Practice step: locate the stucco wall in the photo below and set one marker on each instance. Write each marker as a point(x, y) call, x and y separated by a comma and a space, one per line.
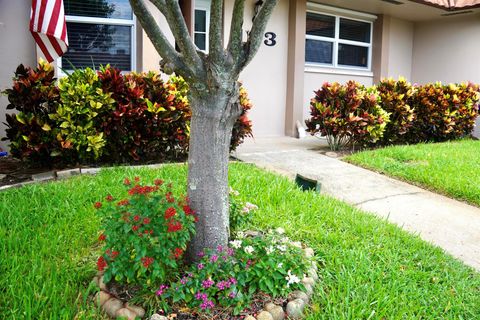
point(315, 79)
point(447, 50)
point(400, 48)
point(16, 46)
point(265, 77)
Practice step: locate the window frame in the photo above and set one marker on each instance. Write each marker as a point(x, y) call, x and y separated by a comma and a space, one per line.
point(202, 6)
point(336, 41)
point(132, 23)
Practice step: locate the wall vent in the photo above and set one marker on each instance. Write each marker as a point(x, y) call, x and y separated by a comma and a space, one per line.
point(393, 2)
point(449, 14)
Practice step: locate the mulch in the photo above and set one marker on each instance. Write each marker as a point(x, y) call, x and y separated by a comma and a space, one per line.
point(16, 171)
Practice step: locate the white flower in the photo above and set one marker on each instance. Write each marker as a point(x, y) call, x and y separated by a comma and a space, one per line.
point(249, 249)
point(240, 235)
point(236, 244)
point(282, 248)
point(280, 265)
point(297, 244)
point(270, 249)
point(285, 240)
point(291, 278)
point(249, 207)
point(280, 230)
point(234, 192)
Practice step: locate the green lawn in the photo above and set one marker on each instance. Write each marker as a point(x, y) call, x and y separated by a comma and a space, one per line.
point(371, 269)
point(451, 168)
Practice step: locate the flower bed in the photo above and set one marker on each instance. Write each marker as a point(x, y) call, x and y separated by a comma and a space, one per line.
point(144, 238)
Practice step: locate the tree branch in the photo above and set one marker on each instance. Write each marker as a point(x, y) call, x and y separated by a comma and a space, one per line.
point(159, 41)
point(236, 31)
point(255, 36)
point(215, 49)
point(173, 14)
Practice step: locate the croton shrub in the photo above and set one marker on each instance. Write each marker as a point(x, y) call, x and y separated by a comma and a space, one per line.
point(444, 112)
point(396, 98)
point(102, 116)
point(403, 113)
point(347, 114)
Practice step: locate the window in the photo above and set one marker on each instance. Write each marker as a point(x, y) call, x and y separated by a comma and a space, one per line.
point(337, 41)
point(100, 32)
point(202, 21)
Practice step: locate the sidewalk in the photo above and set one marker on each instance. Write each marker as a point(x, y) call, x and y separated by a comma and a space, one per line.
point(450, 224)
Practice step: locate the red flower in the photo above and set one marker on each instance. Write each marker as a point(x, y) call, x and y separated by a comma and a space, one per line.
point(178, 253)
point(137, 189)
point(137, 179)
point(169, 197)
point(158, 182)
point(170, 212)
point(101, 263)
point(174, 226)
point(135, 228)
point(136, 218)
point(147, 261)
point(187, 210)
point(123, 202)
point(102, 237)
point(146, 220)
point(126, 182)
point(97, 205)
point(109, 198)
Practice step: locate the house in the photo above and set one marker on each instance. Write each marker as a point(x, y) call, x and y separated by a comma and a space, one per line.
point(306, 43)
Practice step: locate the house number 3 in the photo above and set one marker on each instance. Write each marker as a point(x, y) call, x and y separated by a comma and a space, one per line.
point(270, 39)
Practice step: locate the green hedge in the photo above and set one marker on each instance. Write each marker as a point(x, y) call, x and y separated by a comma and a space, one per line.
point(102, 117)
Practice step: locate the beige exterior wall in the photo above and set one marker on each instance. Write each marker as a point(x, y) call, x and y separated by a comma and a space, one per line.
point(400, 48)
point(448, 50)
point(265, 78)
point(16, 46)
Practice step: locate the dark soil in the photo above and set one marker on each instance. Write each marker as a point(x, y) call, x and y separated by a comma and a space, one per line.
point(15, 171)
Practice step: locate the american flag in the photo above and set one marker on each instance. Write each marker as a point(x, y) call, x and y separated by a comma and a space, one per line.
point(48, 27)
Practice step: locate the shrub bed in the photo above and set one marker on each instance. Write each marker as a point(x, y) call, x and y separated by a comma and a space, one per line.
point(102, 117)
point(346, 114)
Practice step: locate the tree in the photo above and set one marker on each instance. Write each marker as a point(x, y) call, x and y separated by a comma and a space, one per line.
point(214, 99)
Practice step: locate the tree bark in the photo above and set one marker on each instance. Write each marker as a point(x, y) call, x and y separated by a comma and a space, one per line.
point(213, 117)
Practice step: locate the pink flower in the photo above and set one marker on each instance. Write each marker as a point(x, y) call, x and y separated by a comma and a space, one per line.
point(207, 283)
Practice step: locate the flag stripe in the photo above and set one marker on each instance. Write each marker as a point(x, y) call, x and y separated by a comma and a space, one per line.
point(48, 27)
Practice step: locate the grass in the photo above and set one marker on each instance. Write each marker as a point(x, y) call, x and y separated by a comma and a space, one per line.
point(451, 168)
point(371, 269)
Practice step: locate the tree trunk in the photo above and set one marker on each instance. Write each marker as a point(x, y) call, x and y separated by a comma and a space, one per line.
point(213, 116)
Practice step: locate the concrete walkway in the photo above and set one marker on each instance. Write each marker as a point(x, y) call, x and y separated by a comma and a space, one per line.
point(450, 224)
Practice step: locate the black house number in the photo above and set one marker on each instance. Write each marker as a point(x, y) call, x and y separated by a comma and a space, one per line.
point(270, 39)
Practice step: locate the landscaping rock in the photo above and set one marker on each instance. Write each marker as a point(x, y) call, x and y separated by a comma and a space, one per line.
point(44, 176)
point(2, 176)
point(156, 316)
point(298, 295)
point(309, 253)
point(313, 274)
point(308, 280)
point(250, 318)
point(269, 306)
point(68, 173)
point(126, 313)
point(314, 266)
point(89, 170)
point(308, 289)
point(295, 308)
point(277, 313)
point(264, 315)
point(112, 306)
point(138, 310)
point(102, 284)
point(252, 234)
point(95, 280)
point(101, 297)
